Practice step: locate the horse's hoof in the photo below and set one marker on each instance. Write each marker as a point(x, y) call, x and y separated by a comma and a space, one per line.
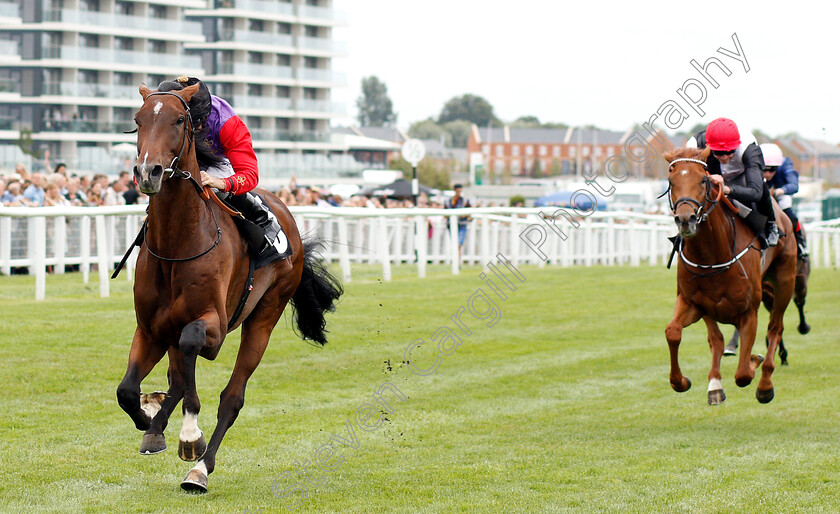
point(716, 397)
point(193, 450)
point(152, 444)
point(687, 386)
point(195, 482)
point(764, 396)
point(804, 328)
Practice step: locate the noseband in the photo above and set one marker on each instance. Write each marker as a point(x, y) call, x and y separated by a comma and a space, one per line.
point(186, 141)
point(701, 210)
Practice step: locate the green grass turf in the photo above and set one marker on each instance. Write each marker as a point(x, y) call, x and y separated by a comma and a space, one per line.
point(562, 405)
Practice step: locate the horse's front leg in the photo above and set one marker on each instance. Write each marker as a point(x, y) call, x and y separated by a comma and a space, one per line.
point(193, 338)
point(154, 440)
point(716, 394)
point(684, 315)
point(747, 362)
point(255, 336)
point(143, 356)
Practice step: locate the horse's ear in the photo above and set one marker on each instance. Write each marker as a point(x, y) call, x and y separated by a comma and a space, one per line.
point(188, 92)
point(704, 155)
point(144, 91)
point(669, 156)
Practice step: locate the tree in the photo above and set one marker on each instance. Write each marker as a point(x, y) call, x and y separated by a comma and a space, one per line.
point(375, 108)
point(526, 122)
point(472, 108)
point(428, 129)
point(459, 131)
point(26, 144)
point(428, 173)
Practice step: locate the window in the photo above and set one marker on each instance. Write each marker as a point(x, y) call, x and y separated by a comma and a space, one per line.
point(89, 5)
point(515, 166)
point(284, 28)
point(284, 92)
point(122, 79)
point(89, 40)
point(157, 11)
point(124, 8)
point(310, 62)
point(256, 26)
point(284, 60)
point(309, 125)
point(556, 151)
point(88, 76)
point(310, 93)
point(281, 124)
point(157, 47)
point(586, 151)
point(500, 151)
point(254, 90)
point(515, 150)
point(498, 166)
point(123, 114)
point(311, 31)
point(543, 150)
point(572, 151)
point(123, 43)
point(529, 150)
point(485, 149)
point(255, 57)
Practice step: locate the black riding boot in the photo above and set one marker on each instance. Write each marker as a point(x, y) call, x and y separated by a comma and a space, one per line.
point(252, 207)
point(801, 243)
point(765, 208)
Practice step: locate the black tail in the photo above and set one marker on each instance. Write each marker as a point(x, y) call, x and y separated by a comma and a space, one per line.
point(316, 294)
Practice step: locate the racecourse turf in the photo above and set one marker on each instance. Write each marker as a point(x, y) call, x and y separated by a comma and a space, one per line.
point(562, 405)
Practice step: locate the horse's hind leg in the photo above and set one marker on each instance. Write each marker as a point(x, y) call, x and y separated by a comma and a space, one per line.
point(154, 440)
point(716, 395)
point(684, 315)
point(143, 356)
point(747, 362)
point(800, 292)
point(764, 392)
point(255, 335)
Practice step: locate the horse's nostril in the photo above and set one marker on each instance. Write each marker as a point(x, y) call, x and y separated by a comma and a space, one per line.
point(157, 170)
point(677, 220)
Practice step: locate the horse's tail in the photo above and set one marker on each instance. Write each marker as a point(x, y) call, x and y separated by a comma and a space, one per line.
point(316, 294)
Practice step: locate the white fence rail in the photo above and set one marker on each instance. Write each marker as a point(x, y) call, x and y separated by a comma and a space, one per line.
point(52, 238)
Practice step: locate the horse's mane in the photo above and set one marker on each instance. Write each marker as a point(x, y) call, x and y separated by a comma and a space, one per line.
point(678, 153)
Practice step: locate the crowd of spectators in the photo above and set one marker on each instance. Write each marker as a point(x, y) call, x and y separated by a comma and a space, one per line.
point(61, 187)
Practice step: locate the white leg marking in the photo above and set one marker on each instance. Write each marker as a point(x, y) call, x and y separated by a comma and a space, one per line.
point(201, 467)
point(715, 385)
point(189, 430)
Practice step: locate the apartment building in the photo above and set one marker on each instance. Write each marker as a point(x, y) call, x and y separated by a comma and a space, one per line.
point(70, 69)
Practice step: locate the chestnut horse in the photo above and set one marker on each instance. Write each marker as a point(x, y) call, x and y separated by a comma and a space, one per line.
point(719, 276)
point(191, 273)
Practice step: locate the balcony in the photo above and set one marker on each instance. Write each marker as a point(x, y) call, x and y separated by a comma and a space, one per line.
point(319, 106)
point(9, 85)
point(266, 6)
point(9, 10)
point(125, 21)
point(243, 69)
point(320, 75)
point(323, 44)
point(88, 126)
point(311, 11)
point(260, 38)
point(100, 55)
point(262, 102)
point(260, 134)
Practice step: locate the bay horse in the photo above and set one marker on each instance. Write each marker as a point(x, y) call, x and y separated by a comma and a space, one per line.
point(720, 273)
point(191, 272)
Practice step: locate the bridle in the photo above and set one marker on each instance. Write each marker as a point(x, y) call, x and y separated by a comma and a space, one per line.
point(175, 171)
point(186, 140)
point(701, 210)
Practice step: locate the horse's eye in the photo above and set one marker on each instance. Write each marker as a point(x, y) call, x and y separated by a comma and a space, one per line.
point(180, 120)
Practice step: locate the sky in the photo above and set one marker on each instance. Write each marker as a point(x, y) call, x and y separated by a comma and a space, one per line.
point(611, 64)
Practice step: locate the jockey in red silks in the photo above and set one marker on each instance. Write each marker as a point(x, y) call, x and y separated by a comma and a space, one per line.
point(226, 158)
point(737, 167)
